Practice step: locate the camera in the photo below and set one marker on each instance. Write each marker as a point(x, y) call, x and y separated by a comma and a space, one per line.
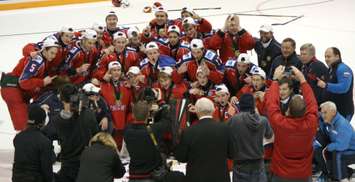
point(288, 71)
point(77, 99)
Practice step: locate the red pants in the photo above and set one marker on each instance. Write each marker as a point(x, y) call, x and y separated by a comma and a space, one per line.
point(17, 106)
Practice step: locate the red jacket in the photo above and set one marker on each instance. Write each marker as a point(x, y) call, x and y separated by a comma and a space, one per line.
point(293, 150)
point(260, 105)
point(31, 72)
point(154, 28)
point(55, 65)
point(76, 58)
point(176, 52)
point(120, 109)
point(204, 26)
point(176, 91)
point(232, 78)
point(221, 113)
point(107, 36)
point(211, 59)
point(228, 44)
point(127, 59)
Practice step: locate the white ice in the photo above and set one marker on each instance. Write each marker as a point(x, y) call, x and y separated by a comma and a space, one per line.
point(325, 23)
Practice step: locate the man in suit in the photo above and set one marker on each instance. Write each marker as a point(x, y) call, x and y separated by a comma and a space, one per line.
point(205, 147)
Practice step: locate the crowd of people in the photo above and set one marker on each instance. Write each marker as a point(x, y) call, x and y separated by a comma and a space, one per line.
point(180, 90)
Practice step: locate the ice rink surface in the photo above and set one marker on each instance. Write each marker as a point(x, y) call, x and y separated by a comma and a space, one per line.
point(324, 23)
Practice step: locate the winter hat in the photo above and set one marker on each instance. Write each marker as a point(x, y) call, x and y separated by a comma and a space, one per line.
point(196, 44)
point(111, 13)
point(36, 115)
point(222, 88)
point(114, 64)
point(91, 88)
point(89, 34)
point(258, 71)
point(167, 70)
point(118, 35)
point(67, 30)
point(151, 46)
point(174, 28)
point(189, 21)
point(266, 28)
point(98, 28)
point(244, 58)
point(247, 103)
point(134, 70)
point(50, 42)
point(132, 32)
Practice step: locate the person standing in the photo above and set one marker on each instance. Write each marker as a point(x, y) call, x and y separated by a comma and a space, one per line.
point(33, 151)
point(249, 130)
point(292, 162)
point(339, 87)
point(100, 161)
point(205, 147)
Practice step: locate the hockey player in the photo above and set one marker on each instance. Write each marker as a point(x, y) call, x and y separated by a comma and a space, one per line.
point(149, 66)
point(207, 59)
point(26, 81)
point(231, 41)
point(118, 97)
point(121, 54)
point(64, 38)
point(82, 57)
point(173, 46)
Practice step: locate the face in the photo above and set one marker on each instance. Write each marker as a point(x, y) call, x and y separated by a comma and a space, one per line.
point(185, 15)
point(190, 30)
point(265, 36)
point(111, 22)
point(330, 58)
point(242, 68)
point(89, 43)
point(132, 79)
point(115, 73)
point(165, 82)
point(287, 49)
point(161, 18)
point(285, 91)
point(305, 56)
point(134, 40)
point(327, 115)
point(197, 53)
point(258, 82)
point(50, 53)
point(67, 38)
point(173, 38)
point(222, 98)
point(232, 27)
point(153, 55)
point(94, 97)
point(202, 79)
point(120, 44)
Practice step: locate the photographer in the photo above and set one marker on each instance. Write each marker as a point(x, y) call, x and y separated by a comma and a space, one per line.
point(138, 137)
point(75, 125)
point(33, 151)
point(292, 161)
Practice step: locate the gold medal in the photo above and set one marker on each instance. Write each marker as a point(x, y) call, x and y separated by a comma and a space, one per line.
point(236, 53)
point(268, 58)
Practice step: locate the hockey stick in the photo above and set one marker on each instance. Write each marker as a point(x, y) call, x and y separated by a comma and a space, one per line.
point(285, 23)
point(198, 9)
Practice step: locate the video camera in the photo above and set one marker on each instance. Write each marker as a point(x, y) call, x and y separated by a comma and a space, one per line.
point(77, 98)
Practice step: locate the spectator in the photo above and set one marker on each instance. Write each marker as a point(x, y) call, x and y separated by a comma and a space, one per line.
point(232, 40)
point(287, 58)
point(340, 152)
point(100, 161)
point(313, 69)
point(205, 147)
point(75, 126)
point(292, 162)
point(34, 155)
point(249, 130)
point(286, 93)
point(339, 87)
point(267, 48)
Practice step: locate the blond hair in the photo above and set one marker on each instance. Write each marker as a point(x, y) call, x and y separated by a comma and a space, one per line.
point(231, 18)
point(105, 139)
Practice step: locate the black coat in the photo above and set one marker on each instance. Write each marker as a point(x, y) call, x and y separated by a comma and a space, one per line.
point(205, 147)
point(268, 54)
point(291, 60)
point(100, 163)
point(33, 158)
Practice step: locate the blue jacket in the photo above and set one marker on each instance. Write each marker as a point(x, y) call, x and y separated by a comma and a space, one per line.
point(344, 76)
point(341, 134)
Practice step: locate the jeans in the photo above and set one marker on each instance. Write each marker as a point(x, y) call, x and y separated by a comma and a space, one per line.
point(245, 173)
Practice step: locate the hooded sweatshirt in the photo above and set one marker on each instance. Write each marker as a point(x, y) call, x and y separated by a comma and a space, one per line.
point(248, 130)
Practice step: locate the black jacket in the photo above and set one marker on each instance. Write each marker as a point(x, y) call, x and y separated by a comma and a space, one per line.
point(100, 163)
point(74, 134)
point(33, 158)
point(291, 60)
point(205, 147)
point(313, 70)
point(268, 54)
point(248, 131)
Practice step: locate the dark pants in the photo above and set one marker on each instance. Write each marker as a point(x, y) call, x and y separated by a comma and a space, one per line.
point(249, 172)
point(26, 177)
point(67, 173)
point(337, 163)
point(280, 179)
